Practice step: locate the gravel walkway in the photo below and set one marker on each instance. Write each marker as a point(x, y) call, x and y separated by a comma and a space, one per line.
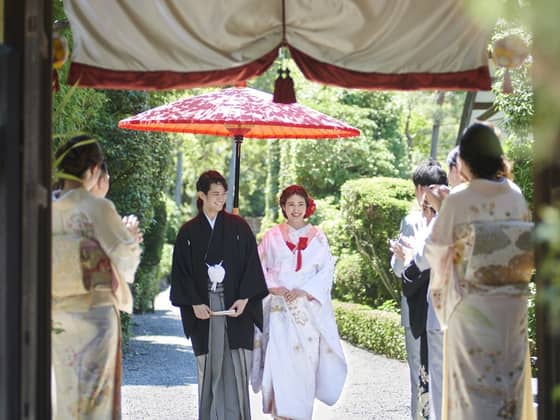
point(159, 377)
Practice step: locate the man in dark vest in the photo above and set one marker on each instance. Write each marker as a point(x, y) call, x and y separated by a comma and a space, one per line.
point(218, 283)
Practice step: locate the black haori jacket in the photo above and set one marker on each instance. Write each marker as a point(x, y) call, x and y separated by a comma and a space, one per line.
point(232, 242)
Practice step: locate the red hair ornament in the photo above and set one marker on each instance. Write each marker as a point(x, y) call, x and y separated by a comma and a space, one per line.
point(310, 207)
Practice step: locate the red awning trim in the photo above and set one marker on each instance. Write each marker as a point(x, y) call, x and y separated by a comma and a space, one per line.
point(317, 71)
point(314, 70)
point(97, 77)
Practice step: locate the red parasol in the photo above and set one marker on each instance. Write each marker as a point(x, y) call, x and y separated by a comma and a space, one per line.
point(239, 112)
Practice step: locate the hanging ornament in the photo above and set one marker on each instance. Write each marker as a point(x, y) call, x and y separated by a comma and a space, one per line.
point(509, 52)
point(59, 50)
point(59, 57)
point(284, 88)
point(284, 85)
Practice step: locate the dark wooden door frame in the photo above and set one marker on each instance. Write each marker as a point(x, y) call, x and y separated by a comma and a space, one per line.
point(547, 192)
point(25, 141)
point(25, 210)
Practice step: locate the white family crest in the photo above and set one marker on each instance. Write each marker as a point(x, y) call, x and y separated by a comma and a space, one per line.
point(216, 274)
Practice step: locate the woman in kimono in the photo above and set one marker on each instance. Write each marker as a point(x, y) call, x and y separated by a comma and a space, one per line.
point(94, 256)
point(299, 355)
point(480, 255)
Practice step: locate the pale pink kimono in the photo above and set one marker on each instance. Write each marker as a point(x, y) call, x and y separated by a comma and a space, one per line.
point(481, 261)
point(298, 357)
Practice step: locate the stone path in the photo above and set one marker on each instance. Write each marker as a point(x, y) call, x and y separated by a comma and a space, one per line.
point(159, 377)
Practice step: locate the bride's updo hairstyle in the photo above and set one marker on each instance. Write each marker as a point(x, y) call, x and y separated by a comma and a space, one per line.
point(297, 190)
point(480, 149)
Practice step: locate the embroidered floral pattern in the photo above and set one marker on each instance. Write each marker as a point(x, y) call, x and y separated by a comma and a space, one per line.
point(299, 316)
point(80, 224)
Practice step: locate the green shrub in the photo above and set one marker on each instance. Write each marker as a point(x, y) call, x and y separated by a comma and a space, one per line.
point(165, 264)
point(327, 216)
point(176, 217)
point(126, 322)
point(354, 282)
point(145, 288)
point(520, 153)
point(370, 213)
point(146, 285)
point(371, 329)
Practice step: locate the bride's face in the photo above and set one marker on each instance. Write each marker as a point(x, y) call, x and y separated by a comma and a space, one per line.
point(295, 208)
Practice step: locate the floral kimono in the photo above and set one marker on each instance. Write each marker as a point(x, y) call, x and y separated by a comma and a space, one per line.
point(94, 256)
point(481, 261)
point(298, 357)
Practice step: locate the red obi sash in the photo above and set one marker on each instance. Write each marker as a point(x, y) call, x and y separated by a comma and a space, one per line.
point(302, 244)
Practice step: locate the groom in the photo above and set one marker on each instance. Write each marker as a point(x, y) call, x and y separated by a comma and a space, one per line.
point(218, 283)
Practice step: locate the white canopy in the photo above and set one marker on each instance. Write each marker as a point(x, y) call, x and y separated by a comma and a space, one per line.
point(371, 44)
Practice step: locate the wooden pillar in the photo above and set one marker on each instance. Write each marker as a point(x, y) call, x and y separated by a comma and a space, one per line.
point(546, 72)
point(547, 193)
point(25, 143)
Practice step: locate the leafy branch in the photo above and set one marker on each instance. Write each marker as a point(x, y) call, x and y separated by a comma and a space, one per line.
point(367, 250)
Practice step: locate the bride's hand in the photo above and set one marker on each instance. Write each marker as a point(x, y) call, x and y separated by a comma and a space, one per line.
point(278, 291)
point(295, 293)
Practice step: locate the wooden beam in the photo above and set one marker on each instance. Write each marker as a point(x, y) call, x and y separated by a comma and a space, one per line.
point(10, 199)
point(467, 112)
point(26, 262)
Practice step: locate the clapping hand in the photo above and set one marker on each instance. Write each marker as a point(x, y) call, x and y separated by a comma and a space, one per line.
point(133, 225)
point(435, 194)
point(401, 247)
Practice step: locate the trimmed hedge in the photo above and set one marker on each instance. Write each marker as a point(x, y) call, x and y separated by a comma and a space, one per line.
point(371, 329)
point(146, 286)
point(371, 210)
point(350, 273)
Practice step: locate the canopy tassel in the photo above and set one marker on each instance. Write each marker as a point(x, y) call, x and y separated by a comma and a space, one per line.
point(284, 88)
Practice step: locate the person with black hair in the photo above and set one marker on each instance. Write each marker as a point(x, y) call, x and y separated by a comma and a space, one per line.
point(412, 231)
point(218, 283)
point(299, 357)
point(94, 257)
point(481, 257)
point(453, 174)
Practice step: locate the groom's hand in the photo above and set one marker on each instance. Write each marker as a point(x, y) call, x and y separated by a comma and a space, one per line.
point(201, 311)
point(238, 306)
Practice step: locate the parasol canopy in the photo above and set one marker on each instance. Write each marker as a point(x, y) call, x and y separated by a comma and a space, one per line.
point(239, 112)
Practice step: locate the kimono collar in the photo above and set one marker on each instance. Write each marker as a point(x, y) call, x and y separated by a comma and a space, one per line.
point(303, 241)
point(212, 237)
point(212, 222)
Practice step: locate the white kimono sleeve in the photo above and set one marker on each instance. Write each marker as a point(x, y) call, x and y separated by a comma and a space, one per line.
point(266, 256)
point(319, 285)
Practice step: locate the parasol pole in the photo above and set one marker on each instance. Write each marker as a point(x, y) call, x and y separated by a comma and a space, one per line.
point(231, 179)
point(238, 139)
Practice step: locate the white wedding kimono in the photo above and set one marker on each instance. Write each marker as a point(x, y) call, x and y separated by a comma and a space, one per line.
point(481, 261)
point(298, 357)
